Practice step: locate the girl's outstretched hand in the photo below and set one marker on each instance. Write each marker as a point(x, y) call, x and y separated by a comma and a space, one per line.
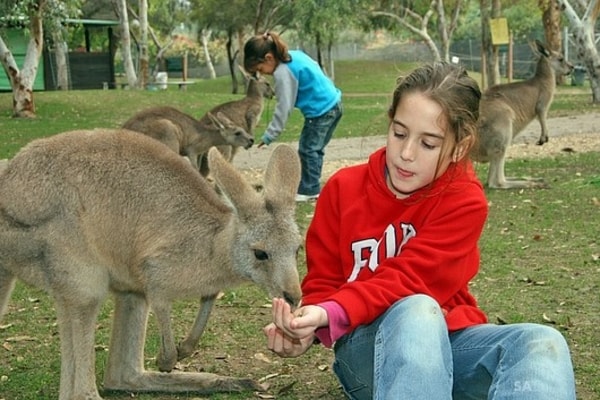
point(291, 334)
point(284, 346)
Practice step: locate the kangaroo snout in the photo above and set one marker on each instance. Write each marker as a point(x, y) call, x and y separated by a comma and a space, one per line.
point(250, 143)
point(292, 300)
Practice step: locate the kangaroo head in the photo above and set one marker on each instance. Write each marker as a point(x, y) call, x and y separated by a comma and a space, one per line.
point(557, 61)
point(266, 238)
point(264, 87)
point(233, 134)
point(256, 84)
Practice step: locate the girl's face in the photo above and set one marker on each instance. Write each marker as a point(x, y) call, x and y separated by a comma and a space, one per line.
point(415, 152)
point(267, 66)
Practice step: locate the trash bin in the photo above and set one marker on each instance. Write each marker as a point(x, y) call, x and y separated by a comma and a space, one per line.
point(578, 75)
point(161, 80)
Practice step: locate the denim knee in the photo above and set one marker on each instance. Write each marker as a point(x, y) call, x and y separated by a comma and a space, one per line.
point(416, 308)
point(412, 328)
point(545, 341)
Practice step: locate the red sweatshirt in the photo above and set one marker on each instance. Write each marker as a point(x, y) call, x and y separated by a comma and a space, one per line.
point(366, 249)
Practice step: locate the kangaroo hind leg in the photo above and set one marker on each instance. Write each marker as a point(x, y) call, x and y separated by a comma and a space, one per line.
point(125, 370)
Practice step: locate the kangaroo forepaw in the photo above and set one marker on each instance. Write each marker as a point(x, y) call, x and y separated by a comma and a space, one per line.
point(185, 349)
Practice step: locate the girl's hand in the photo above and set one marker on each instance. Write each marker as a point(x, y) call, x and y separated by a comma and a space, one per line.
point(301, 323)
point(284, 346)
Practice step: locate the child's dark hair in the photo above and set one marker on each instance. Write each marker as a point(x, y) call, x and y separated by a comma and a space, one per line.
point(453, 89)
point(257, 47)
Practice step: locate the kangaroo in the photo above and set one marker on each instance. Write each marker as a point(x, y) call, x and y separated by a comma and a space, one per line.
point(185, 134)
point(87, 213)
point(506, 109)
point(245, 112)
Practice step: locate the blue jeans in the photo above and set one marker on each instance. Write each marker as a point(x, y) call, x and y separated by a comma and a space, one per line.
point(315, 135)
point(407, 353)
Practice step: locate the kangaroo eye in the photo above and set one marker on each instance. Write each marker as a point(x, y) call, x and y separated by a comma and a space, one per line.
point(261, 255)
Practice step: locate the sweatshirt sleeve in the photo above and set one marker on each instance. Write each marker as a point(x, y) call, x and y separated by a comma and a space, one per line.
point(286, 90)
point(439, 261)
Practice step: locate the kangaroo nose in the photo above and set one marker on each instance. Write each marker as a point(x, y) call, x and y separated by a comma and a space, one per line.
point(290, 299)
point(250, 143)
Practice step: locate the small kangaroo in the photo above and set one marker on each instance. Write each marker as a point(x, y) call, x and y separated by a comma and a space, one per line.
point(185, 134)
point(87, 213)
point(506, 109)
point(245, 112)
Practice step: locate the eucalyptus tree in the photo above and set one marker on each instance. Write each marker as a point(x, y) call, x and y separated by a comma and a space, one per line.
point(419, 17)
point(582, 16)
point(238, 19)
point(32, 16)
point(323, 21)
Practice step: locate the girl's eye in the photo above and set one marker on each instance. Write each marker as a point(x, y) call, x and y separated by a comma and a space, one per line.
point(429, 146)
point(399, 134)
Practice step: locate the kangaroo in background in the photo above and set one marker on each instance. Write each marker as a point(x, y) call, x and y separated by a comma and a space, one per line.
point(87, 213)
point(185, 134)
point(506, 109)
point(245, 112)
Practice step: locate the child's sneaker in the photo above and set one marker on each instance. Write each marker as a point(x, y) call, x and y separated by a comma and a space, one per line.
point(306, 197)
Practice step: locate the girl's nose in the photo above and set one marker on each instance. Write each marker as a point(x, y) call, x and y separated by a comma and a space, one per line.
point(408, 150)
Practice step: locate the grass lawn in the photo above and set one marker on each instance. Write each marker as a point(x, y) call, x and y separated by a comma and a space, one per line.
point(540, 250)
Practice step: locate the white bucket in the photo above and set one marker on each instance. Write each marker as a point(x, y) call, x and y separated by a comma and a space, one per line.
point(161, 80)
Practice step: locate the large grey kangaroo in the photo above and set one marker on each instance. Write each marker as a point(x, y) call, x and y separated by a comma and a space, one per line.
point(506, 109)
point(185, 134)
point(87, 213)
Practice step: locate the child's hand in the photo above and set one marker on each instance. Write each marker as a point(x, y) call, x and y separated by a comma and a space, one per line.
point(291, 334)
point(284, 346)
point(302, 322)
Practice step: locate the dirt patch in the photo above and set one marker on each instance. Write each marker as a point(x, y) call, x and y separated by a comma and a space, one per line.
point(575, 134)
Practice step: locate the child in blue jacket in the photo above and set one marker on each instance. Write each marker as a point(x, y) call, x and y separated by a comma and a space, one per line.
point(301, 83)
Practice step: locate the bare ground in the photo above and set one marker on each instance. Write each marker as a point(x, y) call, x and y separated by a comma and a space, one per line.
point(579, 133)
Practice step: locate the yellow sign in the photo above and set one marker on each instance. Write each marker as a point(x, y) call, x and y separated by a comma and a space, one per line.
point(499, 29)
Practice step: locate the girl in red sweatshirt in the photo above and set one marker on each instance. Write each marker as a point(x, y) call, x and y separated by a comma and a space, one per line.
point(390, 253)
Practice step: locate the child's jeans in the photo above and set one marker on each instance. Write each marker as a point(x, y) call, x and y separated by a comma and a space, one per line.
point(407, 353)
point(315, 135)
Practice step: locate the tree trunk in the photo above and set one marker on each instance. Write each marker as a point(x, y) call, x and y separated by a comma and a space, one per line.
point(61, 55)
point(231, 60)
point(420, 30)
point(144, 57)
point(552, 31)
point(583, 32)
point(126, 43)
point(22, 80)
point(446, 28)
point(486, 42)
point(205, 37)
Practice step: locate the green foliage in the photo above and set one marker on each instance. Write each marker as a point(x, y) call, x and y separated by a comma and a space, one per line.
point(524, 20)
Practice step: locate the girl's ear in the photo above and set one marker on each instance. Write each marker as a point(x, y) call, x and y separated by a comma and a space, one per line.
point(461, 149)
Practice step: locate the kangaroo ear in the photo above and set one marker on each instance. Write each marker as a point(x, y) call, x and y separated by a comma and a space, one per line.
point(215, 121)
point(282, 176)
point(224, 120)
point(239, 192)
point(540, 48)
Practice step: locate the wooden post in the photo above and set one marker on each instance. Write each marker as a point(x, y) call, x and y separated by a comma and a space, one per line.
point(483, 69)
point(185, 66)
point(509, 69)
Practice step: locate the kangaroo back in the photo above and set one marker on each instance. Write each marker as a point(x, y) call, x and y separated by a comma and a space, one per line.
point(187, 136)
